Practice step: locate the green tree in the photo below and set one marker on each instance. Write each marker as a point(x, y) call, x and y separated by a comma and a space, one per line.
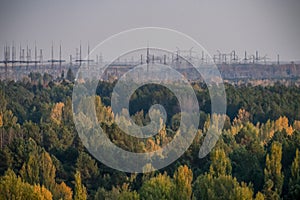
point(47, 78)
point(70, 75)
point(126, 193)
point(39, 169)
point(3, 101)
point(68, 113)
point(117, 193)
point(222, 187)
point(88, 169)
point(159, 187)
point(246, 167)
point(220, 163)
point(35, 77)
point(294, 182)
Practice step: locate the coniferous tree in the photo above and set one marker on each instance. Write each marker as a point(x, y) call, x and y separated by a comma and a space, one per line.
point(70, 75)
point(294, 182)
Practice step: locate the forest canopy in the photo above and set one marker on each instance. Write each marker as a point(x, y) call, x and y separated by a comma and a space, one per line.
point(42, 156)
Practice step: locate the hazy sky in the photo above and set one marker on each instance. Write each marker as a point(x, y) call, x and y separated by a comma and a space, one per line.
point(270, 26)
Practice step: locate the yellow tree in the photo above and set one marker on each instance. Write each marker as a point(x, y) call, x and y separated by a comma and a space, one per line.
point(42, 192)
point(80, 190)
point(242, 191)
point(48, 170)
point(56, 113)
point(273, 175)
point(220, 163)
point(1, 120)
point(239, 121)
point(104, 114)
point(242, 117)
point(13, 187)
point(39, 170)
point(126, 193)
point(282, 123)
point(259, 196)
point(183, 183)
point(62, 191)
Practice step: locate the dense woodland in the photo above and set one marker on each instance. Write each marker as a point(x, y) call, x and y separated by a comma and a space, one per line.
point(42, 157)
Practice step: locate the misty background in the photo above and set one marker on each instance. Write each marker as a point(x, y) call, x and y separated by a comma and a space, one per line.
point(271, 26)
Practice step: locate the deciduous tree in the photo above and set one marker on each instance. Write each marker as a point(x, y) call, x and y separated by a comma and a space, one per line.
point(273, 175)
point(80, 190)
